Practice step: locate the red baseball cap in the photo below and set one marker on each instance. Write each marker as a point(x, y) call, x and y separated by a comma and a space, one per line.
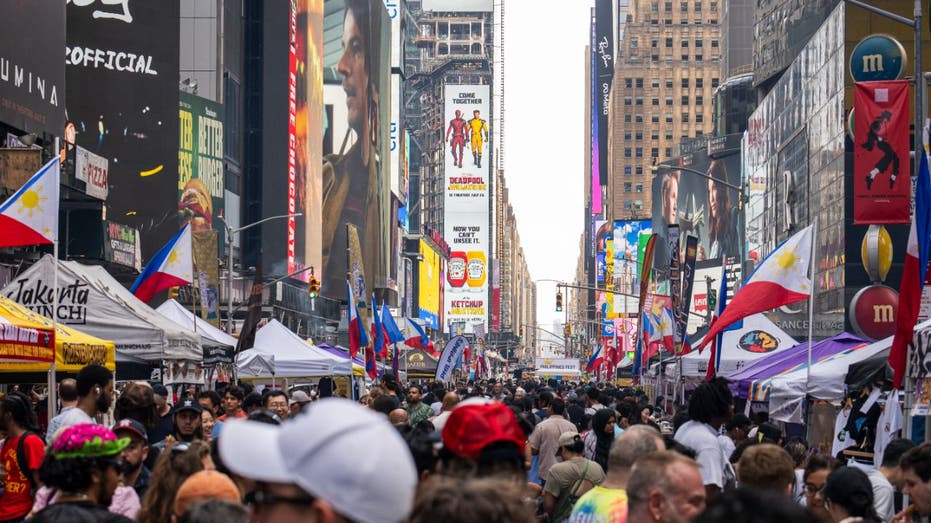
point(473, 425)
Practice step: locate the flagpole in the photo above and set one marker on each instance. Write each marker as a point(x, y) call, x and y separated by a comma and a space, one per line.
point(811, 301)
point(52, 379)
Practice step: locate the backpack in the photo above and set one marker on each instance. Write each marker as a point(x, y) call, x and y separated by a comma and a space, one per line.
point(23, 464)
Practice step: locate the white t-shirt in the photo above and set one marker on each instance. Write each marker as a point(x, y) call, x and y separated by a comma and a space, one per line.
point(68, 417)
point(727, 446)
point(703, 439)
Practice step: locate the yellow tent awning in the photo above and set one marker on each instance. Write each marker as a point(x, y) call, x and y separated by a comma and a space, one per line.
point(74, 349)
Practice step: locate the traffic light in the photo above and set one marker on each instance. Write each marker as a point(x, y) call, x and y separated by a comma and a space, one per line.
point(174, 293)
point(520, 332)
point(567, 329)
point(558, 301)
point(313, 287)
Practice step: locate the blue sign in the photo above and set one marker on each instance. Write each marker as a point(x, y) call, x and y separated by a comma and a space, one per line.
point(877, 57)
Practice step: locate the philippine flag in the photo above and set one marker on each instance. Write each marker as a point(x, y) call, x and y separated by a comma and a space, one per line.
point(172, 265)
point(595, 361)
point(781, 279)
point(419, 339)
point(30, 215)
point(357, 336)
point(378, 333)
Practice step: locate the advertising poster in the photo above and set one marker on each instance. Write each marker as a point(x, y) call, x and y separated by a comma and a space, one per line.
point(309, 134)
point(357, 269)
point(630, 238)
point(114, 49)
point(32, 77)
point(597, 180)
point(94, 171)
point(207, 274)
point(881, 182)
point(200, 163)
point(466, 166)
point(603, 49)
point(356, 173)
point(429, 287)
point(705, 208)
point(688, 280)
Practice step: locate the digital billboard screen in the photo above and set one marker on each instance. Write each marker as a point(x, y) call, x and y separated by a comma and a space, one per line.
point(122, 72)
point(466, 213)
point(429, 286)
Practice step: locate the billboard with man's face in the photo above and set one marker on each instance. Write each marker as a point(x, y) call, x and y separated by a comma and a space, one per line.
point(702, 206)
point(122, 72)
point(356, 169)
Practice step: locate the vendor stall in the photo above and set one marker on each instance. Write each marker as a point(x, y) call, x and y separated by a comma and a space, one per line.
point(217, 347)
point(757, 338)
point(93, 301)
point(293, 357)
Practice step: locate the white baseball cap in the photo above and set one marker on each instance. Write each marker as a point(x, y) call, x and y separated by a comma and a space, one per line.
point(338, 451)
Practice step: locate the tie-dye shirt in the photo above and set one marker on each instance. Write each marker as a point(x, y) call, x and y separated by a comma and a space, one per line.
point(601, 505)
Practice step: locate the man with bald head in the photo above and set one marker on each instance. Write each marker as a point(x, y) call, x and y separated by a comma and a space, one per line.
point(399, 418)
point(450, 400)
point(608, 502)
point(665, 487)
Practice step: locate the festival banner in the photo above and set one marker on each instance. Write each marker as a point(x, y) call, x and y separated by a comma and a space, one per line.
point(451, 358)
point(675, 287)
point(207, 274)
point(688, 279)
point(881, 178)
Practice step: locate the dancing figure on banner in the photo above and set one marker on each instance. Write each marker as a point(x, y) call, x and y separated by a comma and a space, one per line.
point(876, 137)
point(479, 133)
point(457, 128)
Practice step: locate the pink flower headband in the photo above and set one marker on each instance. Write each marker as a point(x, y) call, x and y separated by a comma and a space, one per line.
point(87, 441)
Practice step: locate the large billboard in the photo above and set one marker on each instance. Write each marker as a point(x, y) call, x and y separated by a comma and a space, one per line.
point(32, 77)
point(122, 69)
point(628, 245)
point(603, 49)
point(356, 170)
point(707, 207)
point(428, 298)
point(200, 162)
point(466, 213)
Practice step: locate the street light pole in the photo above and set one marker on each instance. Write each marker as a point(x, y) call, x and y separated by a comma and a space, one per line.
point(229, 259)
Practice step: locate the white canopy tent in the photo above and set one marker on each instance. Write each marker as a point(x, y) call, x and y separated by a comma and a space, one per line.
point(785, 392)
point(218, 345)
point(91, 300)
point(293, 357)
point(757, 339)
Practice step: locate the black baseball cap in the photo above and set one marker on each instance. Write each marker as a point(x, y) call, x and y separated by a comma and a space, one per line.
point(188, 405)
point(131, 425)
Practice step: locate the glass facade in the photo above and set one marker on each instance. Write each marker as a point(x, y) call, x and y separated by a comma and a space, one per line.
point(794, 167)
point(734, 102)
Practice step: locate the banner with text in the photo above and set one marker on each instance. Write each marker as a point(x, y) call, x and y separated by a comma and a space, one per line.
point(466, 166)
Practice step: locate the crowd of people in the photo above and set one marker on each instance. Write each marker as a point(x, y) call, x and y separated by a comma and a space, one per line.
point(487, 451)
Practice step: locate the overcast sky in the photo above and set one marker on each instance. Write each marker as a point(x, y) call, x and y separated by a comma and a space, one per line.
point(544, 135)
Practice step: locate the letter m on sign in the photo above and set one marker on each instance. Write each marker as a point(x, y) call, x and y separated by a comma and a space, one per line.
point(883, 313)
point(872, 63)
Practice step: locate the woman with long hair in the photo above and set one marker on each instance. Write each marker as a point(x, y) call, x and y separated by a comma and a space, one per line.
point(172, 467)
point(848, 493)
point(722, 224)
point(207, 421)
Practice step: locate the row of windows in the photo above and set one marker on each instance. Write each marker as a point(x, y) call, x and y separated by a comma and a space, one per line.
point(685, 83)
point(684, 6)
point(636, 204)
point(637, 152)
point(654, 135)
point(654, 43)
point(628, 187)
point(684, 100)
point(654, 118)
point(684, 21)
point(668, 58)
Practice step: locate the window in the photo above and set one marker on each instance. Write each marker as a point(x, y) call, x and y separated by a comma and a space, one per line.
point(699, 100)
point(627, 100)
point(696, 22)
point(714, 83)
point(668, 7)
point(654, 100)
point(627, 186)
point(668, 135)
point(654, 22)
point(638, 187)
point(654, 118)
point(654, 7)
point(699, 58)
point(699, 118)
point(669, 83)
point(639, 169)
point(639, 135)
point(627, 169)
point(668, 21)
point(668, 57)
point(668, 100)
point(655, 82)
point(668, 152)
point(626, 118)
point(654, 43)
point(639, 100)
point(668, 117)
point(639, 83)
point(713, 21)
point(634, 42)
point(639, 152)
point(627, 135)
point(715, 57)
point(654, 57)
point(638, 118)
point(684, 43)
point(699, 83)
point(685, 57)
point(627, 152)
point(697, 7)
point(628, 83)
point(685, 100)
point(714, 43)
point(699, 43)
point(684, 7)
point(654, 135)
point(698, 133)
point(685, 117)
point(684, 21)
point(654, 152)
point(626, 205)
point(685, 83)
point(713, 6)
point(638, 204)
point(669, 42)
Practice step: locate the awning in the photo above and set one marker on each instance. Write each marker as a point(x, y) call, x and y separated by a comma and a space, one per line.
point(218, 346)
point(293, 357)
